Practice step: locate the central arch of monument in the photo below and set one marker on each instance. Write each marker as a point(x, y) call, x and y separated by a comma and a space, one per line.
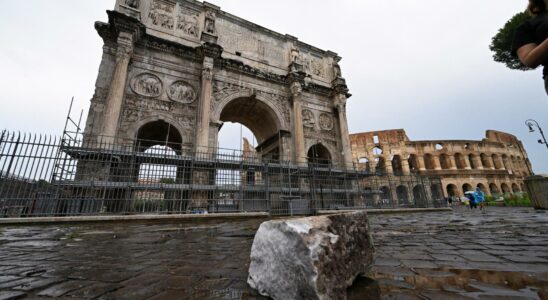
point(193, 66)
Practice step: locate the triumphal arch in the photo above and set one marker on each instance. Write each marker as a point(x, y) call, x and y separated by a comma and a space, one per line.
point(175, 70)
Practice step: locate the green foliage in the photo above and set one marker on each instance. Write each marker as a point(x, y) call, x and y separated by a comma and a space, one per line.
point(517, 199)
point(167, 181)
point(501, 44)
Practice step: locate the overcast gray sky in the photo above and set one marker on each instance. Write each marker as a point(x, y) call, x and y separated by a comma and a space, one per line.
point(421, 65)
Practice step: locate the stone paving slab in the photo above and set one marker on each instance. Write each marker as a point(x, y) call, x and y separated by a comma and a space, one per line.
point(462, 254)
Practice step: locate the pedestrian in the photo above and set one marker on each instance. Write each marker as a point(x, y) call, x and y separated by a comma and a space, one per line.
point(450, 200)
point(480, 198)
point(530, 43)
point(470, 196)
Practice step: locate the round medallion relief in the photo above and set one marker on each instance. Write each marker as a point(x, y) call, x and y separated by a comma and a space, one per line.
point(146, 84)
point(181, 91)
point(326, 122)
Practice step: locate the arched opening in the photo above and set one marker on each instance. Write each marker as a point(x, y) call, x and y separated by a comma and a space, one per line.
point(377, 151)
point(403, 196)
point(261, 123)
point(485, 160)
point(452, 190)
point(159, 133)
point(505, 162)
point(159, 141)
point(505, 188)
point(482, 187)
point(437, 193)
point(364, 165)
point(439, 147)
point(319, 155)
point(429, 162)
point(397, 165)
point(385, 195)
point(381, 165)
point(515, 188)
point(419, 195)
point(460, 161)
point(413, 163)
point(467, 188)
point(445, 161)
point(497, 163)
point(473, 162)
point(494, 189)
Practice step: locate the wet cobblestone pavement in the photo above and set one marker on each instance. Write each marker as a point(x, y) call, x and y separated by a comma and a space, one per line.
point(500, 254)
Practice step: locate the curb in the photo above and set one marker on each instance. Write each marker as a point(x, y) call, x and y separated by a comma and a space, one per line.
point(387, 211)
point(96, 219)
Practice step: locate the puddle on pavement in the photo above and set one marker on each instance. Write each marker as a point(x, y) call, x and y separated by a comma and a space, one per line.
point(446, 283)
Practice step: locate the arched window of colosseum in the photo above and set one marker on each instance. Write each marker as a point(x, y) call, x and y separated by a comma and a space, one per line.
point(467, 188)
point(429, 162)
point(460, 160)
point(452, 190)
point(397, 165)
point(485, 160)
point(419, 196)
point(482, 188)
point(439, 146)
point(413, 163)
point(377, 151)
point(445, 161)
point(473, 162)
point(505, 188)
point(381, 166)
point(515, 188)
point(403, 196)
point(497, 162)
point(494, 189)
point(437, 193)
point(505, 162)
point(364, 165)
point(385, 195)
point(467, 146)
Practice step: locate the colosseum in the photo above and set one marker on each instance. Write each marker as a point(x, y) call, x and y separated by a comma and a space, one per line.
point(497, 164)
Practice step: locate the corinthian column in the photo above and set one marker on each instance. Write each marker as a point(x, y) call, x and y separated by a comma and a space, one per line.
point(298, 132)
point(202, 137)
point(115, 97)
point(340, 104)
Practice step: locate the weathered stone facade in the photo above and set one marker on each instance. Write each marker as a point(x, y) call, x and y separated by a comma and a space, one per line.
point(497, 164)
point(188, 66)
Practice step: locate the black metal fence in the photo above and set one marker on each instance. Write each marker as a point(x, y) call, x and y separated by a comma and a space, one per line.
point(82, 175)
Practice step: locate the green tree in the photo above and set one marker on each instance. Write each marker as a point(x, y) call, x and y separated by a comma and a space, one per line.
point(501, 44)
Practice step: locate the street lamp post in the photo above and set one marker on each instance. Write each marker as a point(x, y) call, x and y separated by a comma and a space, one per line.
point(531, 124)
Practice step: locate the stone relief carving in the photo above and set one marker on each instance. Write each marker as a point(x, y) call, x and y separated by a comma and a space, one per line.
point(222, 90)
point(210, 22)
point(146, 84)
point(181, 91)
point(279, 101)
point(311, 65)
point(133, 3)
point(326, 122)
point(161, 14)
point(188, 24)
point(308, 118)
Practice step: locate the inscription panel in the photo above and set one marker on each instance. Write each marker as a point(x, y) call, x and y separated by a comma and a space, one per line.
point(251, 44)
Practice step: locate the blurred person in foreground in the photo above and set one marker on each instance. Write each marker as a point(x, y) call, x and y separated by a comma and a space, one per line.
point(530, 39)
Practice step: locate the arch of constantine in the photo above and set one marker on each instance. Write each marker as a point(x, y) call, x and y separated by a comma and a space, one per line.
point(497, 164)
point(175, 71)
